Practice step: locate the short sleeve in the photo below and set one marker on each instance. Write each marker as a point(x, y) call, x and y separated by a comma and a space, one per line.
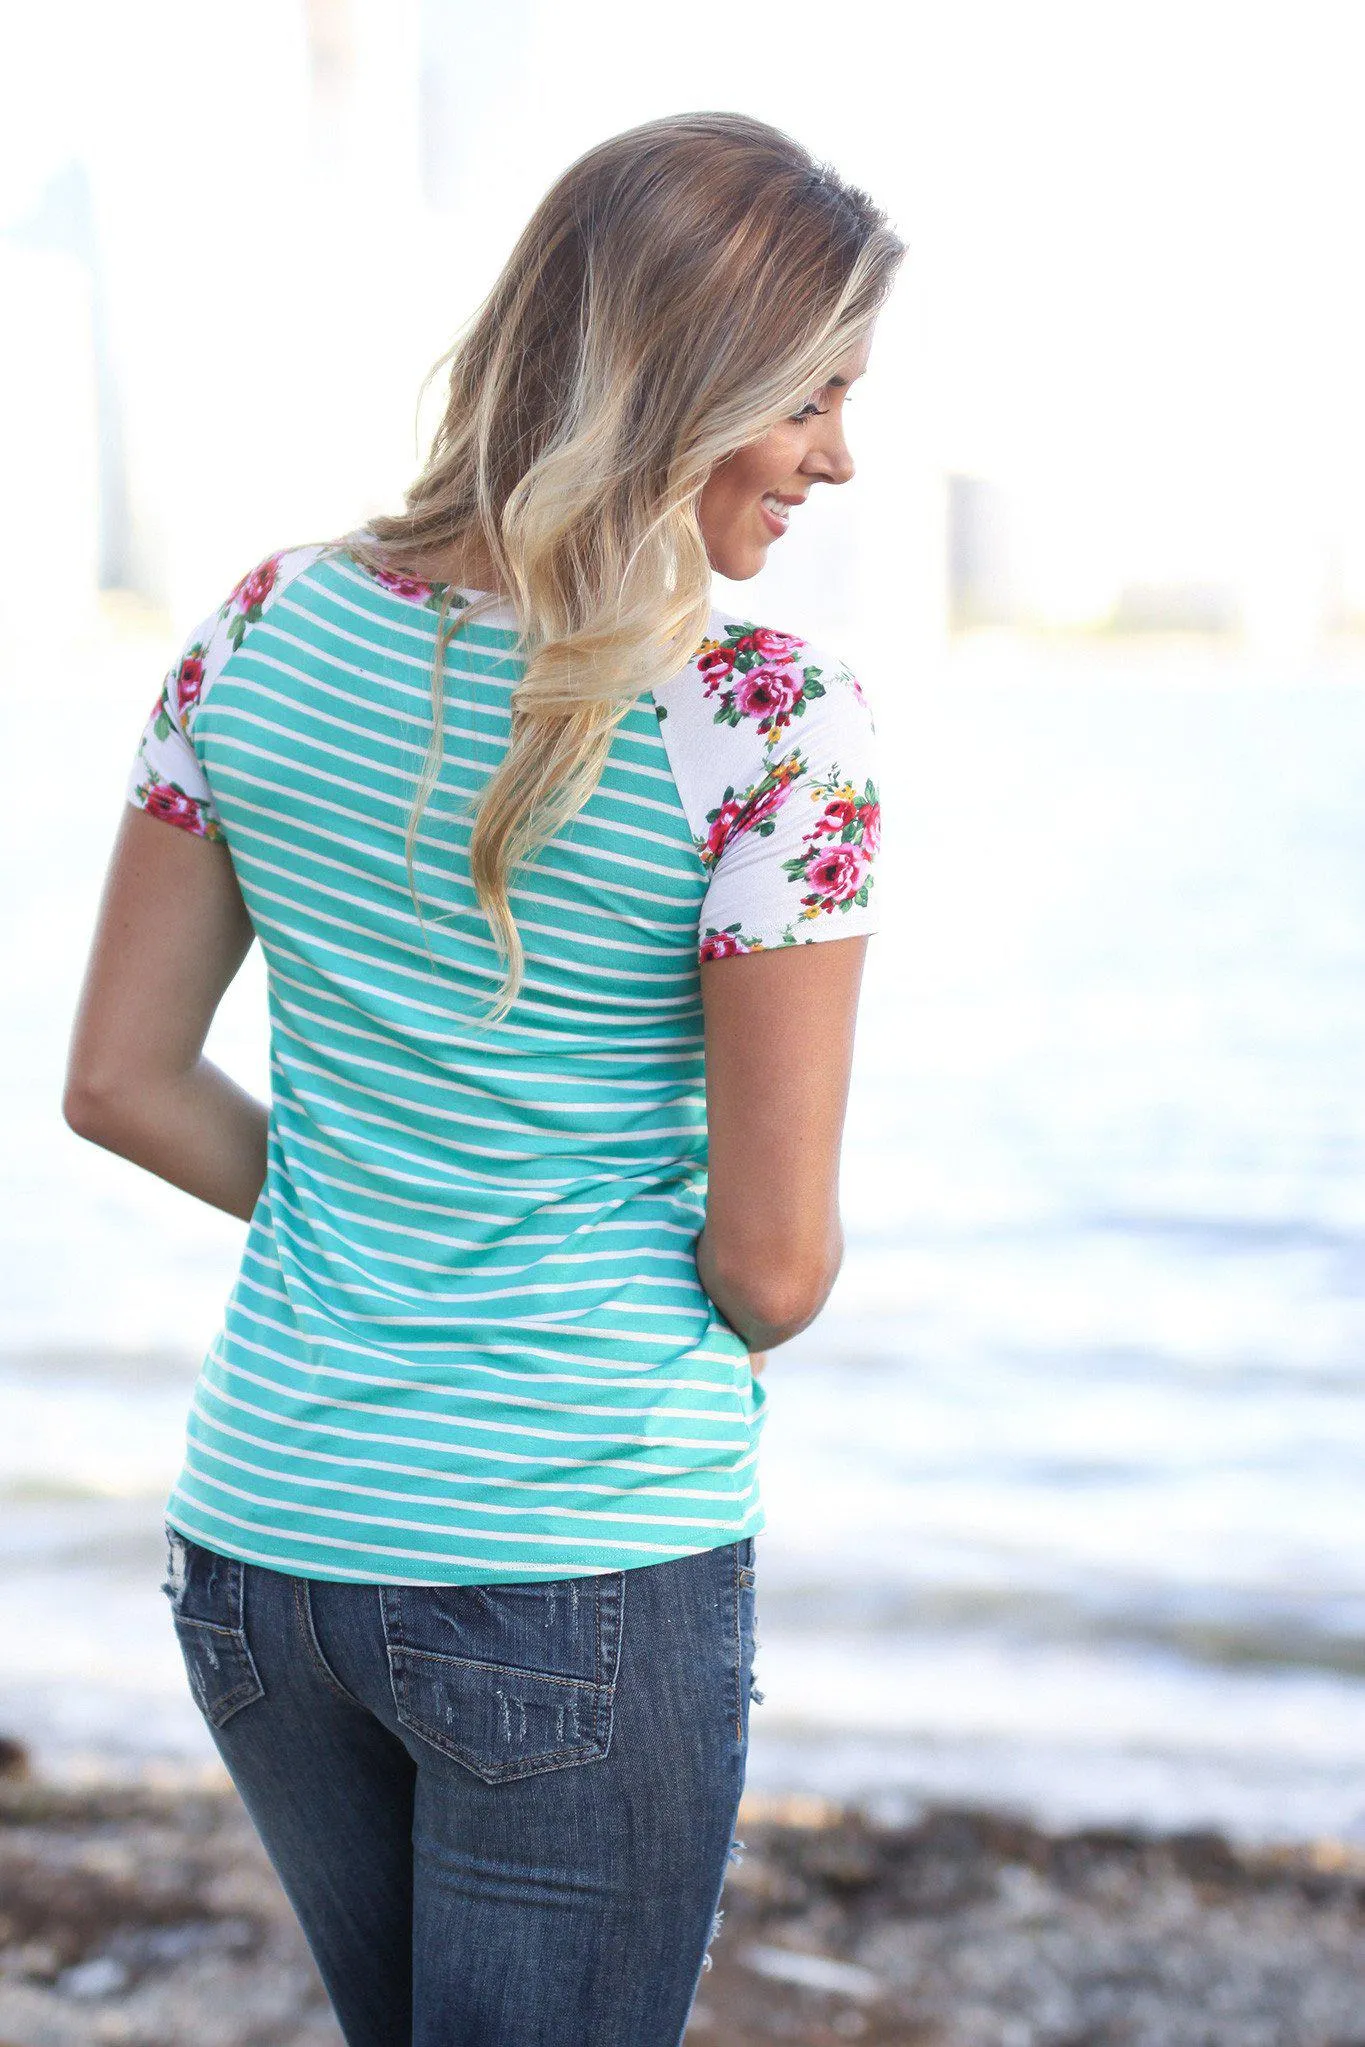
point(794, 849)
point(166, 776)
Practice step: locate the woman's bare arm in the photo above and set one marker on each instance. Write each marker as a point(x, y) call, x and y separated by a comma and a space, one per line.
point(171, 934)
point(779, 1055)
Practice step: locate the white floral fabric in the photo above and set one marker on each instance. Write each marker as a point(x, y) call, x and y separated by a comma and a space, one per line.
point(773, 748)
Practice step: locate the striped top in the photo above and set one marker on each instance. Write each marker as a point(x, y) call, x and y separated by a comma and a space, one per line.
point(467, 1342)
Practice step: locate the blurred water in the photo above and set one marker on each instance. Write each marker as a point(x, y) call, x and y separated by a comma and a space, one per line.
point(1065, 1487)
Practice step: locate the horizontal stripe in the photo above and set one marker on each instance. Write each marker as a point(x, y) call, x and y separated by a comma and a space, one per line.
point(624, 776)
point(393, 1264)
point(448, 1504)
point(486, 1344)
point(346, 985)
point(477, 1078)
point(251, 782)
point(434, 811)
point(479, 1438)
point(378, 1281)
point(302, 1146)
point(562, 934)
point(464, 1398)
point(643, 1383)
point(456, 1411)
point(595, 1536)
point(303, 887)
point(467, 1340)
point(363, 1562)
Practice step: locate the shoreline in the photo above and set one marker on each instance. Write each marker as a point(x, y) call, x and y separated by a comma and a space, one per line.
point(145, 1914)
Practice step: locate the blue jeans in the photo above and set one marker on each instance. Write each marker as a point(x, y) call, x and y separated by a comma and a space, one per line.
point(502, 1813)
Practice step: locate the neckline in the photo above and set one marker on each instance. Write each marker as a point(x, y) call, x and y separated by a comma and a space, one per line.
point(420, 590)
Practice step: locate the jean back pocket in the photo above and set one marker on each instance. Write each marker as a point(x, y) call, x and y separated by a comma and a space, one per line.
point(509, 1680)
point(208, 1594)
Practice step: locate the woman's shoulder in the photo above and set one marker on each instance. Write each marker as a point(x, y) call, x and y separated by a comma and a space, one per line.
point(772, 747)
point(253, 594)
point(211, 644)
point(764, 681)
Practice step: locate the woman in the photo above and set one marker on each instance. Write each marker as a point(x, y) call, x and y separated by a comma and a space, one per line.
point(537, 845)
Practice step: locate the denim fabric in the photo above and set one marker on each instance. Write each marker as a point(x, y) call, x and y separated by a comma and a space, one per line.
point(502, 1813)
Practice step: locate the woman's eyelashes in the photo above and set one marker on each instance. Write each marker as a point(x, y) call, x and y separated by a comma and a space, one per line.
point(810, 410)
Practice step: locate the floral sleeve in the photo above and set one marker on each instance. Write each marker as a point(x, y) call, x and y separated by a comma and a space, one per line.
point(791, 836)
point(166, 776)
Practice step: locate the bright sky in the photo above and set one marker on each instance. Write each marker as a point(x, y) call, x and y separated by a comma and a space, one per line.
point(1133, 289)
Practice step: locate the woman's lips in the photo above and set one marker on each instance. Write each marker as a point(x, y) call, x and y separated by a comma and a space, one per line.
point(775, 525)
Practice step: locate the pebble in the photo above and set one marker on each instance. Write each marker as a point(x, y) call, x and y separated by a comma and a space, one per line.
point(147, 1916)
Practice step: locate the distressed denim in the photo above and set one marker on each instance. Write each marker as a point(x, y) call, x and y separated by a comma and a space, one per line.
point(502, 1813)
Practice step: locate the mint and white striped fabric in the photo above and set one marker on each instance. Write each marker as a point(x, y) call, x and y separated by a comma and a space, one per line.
point(467, 1342)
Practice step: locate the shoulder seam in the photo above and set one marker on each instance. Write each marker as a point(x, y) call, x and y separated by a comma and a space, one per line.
point(253, 597)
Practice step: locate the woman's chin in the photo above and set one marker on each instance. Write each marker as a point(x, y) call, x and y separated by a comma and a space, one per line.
point(737, 565)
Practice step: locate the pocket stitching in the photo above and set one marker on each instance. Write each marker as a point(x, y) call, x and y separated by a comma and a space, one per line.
point(608, 1589)
point(191, 1628)
point(589, 1750)
point(611, 1588)
point(248, 1687)
point(548, 1677)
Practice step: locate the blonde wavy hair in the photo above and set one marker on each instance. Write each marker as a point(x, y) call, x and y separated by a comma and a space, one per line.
point(677, 292)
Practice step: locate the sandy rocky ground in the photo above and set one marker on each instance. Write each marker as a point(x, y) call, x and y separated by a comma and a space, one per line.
point(145, 1916)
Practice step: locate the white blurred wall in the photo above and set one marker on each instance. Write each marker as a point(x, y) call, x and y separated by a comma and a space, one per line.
point(1131, 296)
point(49, 499)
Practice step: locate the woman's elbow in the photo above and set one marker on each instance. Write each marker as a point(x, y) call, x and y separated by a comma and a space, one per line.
point(796, 1304)
point(95, 1104)
point(85, 1109)
point(782, 1301)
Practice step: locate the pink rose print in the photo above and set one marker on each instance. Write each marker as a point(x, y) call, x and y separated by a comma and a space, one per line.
point(837, 853)
point(839, 811)
point(836, 873)
point(764, 805)
point(755, 675)
point(723, 824)
point(245, 604)
point(189, 681)
point(166, 801)
point(403, 586)
point(767, 694)
point(720, 945)
point(753, 811)
point(716, 665)
point(253, 589)
point(774, 646)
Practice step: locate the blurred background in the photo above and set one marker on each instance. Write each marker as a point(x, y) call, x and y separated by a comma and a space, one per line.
point(1065, 1487)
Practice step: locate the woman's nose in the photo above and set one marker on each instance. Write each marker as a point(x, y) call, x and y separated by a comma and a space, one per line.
point(831, 461)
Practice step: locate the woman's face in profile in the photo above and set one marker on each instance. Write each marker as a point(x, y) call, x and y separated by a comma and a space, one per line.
point(749, 497)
